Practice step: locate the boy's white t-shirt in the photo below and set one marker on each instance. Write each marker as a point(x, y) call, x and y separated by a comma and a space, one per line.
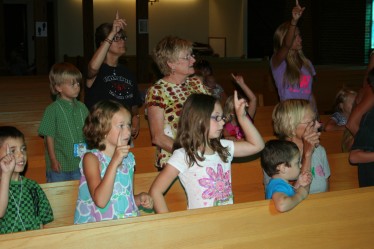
point(209, 184)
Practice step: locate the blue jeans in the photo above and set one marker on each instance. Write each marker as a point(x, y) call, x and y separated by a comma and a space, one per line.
point(53, 176)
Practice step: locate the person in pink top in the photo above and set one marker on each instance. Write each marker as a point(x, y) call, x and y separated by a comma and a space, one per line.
point(293, 73)
point(232, 129)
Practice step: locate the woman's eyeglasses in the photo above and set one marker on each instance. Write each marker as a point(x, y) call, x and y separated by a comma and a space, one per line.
point(187, 57)
point(119, 37)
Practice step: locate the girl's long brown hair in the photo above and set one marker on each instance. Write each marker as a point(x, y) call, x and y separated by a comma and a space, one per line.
point(193, 129)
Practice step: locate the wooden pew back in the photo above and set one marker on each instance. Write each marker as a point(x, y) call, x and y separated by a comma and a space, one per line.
point(247, 184)
point(340, 219)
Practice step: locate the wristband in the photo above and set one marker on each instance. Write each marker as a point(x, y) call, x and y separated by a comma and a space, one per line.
point(108, 41)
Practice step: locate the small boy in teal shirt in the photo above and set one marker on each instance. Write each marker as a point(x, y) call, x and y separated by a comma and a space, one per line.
point(280, 159)
point(62, 124)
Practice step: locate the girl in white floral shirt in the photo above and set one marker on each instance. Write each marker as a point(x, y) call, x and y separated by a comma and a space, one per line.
point(201, 159)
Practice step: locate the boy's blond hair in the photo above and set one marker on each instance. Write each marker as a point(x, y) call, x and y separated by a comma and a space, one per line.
point(60, 72)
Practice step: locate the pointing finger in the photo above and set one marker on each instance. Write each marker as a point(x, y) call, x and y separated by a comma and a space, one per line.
point(7, 149)
point(117, 15)
point(119, 140)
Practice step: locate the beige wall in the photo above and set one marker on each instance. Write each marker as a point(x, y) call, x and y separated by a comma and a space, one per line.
point(226, 20)
point(195, 20)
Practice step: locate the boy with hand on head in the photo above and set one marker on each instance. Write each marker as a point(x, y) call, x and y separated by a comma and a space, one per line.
point(281, 160)
point(23, 204)
point(62, 124)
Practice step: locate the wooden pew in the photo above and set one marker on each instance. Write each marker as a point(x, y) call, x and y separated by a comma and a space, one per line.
point(263, 120)
point(340, 219)
point(36, 168)
point(343, 174)
point(331, 141)
point(63, 196)
point(246, 183)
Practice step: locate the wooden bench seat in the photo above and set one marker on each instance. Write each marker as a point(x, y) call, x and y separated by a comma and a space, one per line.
point(340, 219)
point(247, 185)
point(36, 168)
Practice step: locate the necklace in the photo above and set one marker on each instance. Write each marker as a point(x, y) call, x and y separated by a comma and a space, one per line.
point(17, 206)
point(67, 121)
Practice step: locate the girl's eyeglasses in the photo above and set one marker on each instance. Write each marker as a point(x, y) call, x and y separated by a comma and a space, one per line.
point(314, 122)
point(218, 118)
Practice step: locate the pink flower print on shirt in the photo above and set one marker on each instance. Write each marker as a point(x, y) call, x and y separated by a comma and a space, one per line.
point(318, 170)
point(304, 81)
point(304, 85)
point(218, 185)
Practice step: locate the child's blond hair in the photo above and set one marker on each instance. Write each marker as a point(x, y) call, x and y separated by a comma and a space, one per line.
point(341, 97)
point(60, 72)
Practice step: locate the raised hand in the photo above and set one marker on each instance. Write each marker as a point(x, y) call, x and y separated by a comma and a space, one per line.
point(305, 178)
point(297, 11)
point(240, 106)
point(8, 162)
point(121, 151)
point(310, 138)
point(238, 79)
point(118, 24)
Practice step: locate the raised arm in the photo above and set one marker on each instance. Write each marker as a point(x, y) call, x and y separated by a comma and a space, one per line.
point(310, 140)
point(252, 99)
point(282, 52)
point(100, 54)
point(7, 166)
point(253, 142)
point(101, 189)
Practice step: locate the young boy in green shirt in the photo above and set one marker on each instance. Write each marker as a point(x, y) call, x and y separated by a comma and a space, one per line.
point(23, 204)
point(62, 124)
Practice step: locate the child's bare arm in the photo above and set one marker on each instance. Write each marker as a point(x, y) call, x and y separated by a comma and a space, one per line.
point(304, 180)
point(160, 185)
point(7, 164)
point(101, 189)
point(253, 142)
point(252, 99)
point(310, 142)
point(55, 165)
point(284, 203)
